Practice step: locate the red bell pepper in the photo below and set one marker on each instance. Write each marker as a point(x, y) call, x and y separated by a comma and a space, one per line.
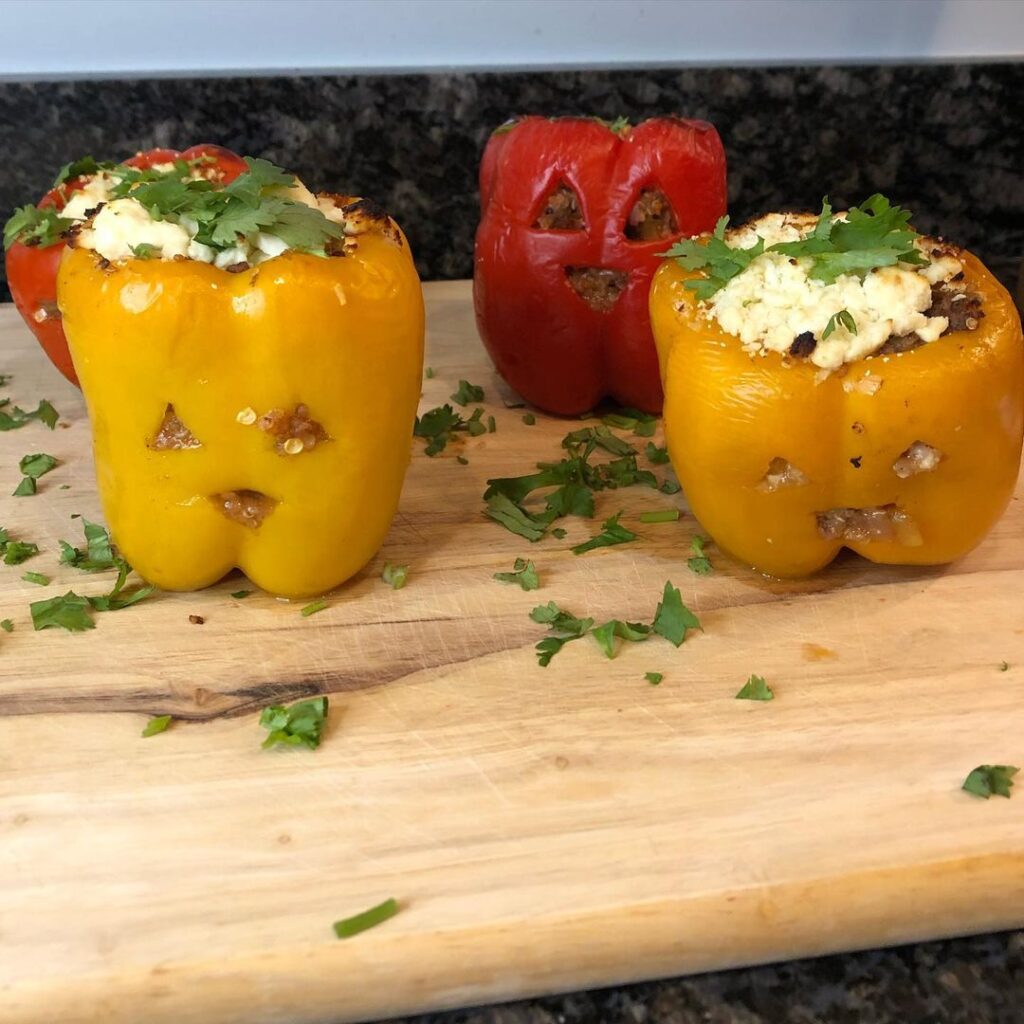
point(32, 268)
point(574, 213)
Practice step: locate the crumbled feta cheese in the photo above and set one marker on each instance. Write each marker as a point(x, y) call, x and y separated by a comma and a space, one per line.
point(95, 191)
point(773, 301)
point(124, 223)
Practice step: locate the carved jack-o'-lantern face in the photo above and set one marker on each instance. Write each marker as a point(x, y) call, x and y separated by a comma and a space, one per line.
point(574, 216)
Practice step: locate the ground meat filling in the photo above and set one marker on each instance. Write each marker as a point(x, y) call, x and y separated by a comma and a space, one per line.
point(293, 432)
point(598, 287)
point(918, 458)
point(562, 211)
point(173, 435)
point(878, 522)
point(651, 218)
point(961, 308)
point(249, 508)
point(781, 473)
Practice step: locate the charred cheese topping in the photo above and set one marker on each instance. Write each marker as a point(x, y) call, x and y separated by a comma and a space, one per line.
point(774, 302)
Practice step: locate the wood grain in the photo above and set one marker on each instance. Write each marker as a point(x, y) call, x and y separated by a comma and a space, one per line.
point(543, 829)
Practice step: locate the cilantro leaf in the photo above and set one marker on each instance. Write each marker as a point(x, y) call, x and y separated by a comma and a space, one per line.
point(524, 573)
point(313, 607)
point(990, 780)
point(145, 251)
point(6, 625)
point(467, 393)
point(350, 926)
point(755, 688)
point(655, 455)
point(653, 677)
point(565, 625)
point(612, 533)
point(70, 612)
point(529, 419)
point(98, 554)
point(118, 598)
point(299, 724)
point(238, 595)
point(642, 424)
point(35, 466)
point(34, 225)
point(843, 318)
point(18, 418)
point(37, 578)
point(156, 725)
point(672, 618)
point(438, 426)
point(515, 518)
point(80, 167)
point(699, 563)
point(24, 489)
point(395, 576)
point(16, 551)
point(606, 634)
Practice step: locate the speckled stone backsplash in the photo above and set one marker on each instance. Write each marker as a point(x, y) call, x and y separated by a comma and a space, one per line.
point(945, 141)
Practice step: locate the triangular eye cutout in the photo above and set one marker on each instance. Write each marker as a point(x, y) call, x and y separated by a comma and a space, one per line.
point(651, 218)
point(173, 434)
point(561, 211)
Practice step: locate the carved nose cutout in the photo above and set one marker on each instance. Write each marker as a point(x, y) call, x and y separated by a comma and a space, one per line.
point(249, 508)
point(599, 287)
point(293, 432)
point(651, 218)
point(173, 434)
point(561, 211)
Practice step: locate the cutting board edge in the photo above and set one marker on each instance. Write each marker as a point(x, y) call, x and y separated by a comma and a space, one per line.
point(500, 963)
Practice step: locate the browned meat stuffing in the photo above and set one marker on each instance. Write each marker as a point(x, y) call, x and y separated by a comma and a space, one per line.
point(294, 432)
point(781, 474)
point(249, 508)
point(962, 309)
point(562, 211)
point(173, 434)
point(918, 458)
point(878, 522)
point(598, 287)
point(651, 218)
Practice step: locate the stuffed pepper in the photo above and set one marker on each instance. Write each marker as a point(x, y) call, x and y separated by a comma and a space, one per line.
point(34, 235)
point(839, 381)
point(250, 356)
point(574, 212)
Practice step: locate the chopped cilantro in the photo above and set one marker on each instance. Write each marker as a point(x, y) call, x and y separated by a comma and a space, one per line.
point(874, 234)
point(70, 612)
point(467, 393)
point(118, 598)
point(755, 688)
point(514, 518)
point(6, 625)
point(642, 424)
point(34, 225)
point(98, 554)
point(18, 418)
point(612, 533)
point(653, 677)
point(844, 318)
point(606, 633)
point(156, 725)
point(80, 167)
point(35, 466)
point(669, 486)
point(492, 424)
point(991, 780)
point(17, 551)
point(24, 489)
point(145, 251)
point(350, 926)
point(429, 372)
point(238, 595)
point(299, 724)
point(699, 563)
point(439, 425)
point(38, 578)
point(655, 455)
point(662, 515)
point(313, 607)
point(529, 419)
point(395, 576)
point(524, 573)
point(672, 618)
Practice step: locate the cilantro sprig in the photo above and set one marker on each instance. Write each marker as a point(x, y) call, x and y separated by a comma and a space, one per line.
point(35, 225)
point(298, 725)
point(874, 234)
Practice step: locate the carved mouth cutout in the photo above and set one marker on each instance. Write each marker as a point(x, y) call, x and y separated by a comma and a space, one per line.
point(248, 508)
point(599, 287)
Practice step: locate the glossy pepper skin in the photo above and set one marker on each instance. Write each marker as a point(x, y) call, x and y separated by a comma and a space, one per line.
point(728, 415)
point(32, 269)
point(554, 348)
point(342, 336)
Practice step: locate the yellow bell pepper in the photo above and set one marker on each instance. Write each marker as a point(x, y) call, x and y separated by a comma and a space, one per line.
point(784, 468)
point(260, 419)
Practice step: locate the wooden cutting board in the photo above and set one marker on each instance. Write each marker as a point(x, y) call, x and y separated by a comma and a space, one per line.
point(543, 829)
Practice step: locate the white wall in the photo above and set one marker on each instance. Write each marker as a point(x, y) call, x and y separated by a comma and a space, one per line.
point(55, 38)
